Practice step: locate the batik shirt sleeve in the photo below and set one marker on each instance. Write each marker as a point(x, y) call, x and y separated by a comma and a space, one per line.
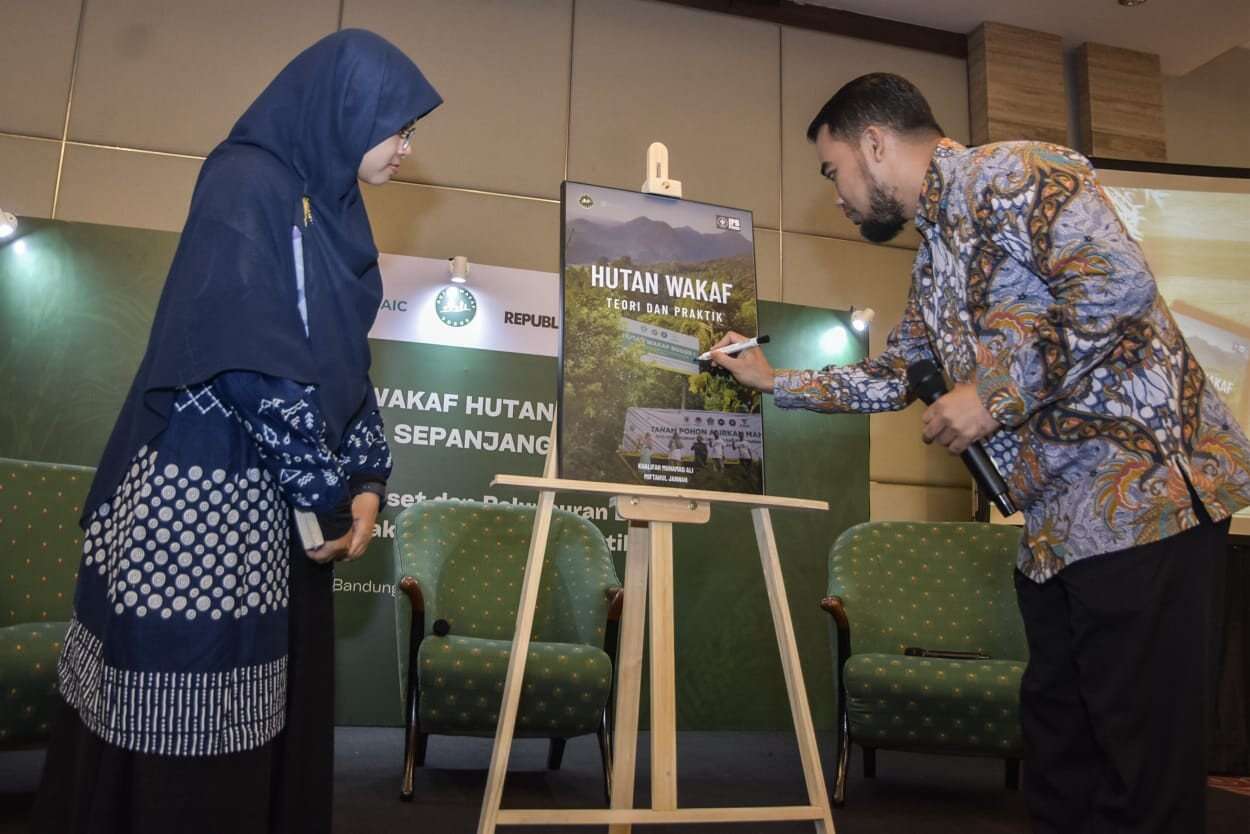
point(876, 384)
point(1042, 205)
point(284, 420)
point(364, 452)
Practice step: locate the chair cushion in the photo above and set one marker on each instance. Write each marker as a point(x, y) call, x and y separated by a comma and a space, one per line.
point(565, 688)
point(919, 703)
point(28, 655)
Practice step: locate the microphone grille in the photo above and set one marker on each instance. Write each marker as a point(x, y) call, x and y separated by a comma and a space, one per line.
point(917, 372)
point(925, 380)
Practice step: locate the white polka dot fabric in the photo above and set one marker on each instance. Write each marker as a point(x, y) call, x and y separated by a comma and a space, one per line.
point(186, 542)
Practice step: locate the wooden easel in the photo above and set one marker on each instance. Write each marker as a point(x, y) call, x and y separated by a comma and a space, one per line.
point(652, 512)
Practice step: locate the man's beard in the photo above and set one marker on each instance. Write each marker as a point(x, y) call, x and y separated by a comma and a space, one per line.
point(885, 213)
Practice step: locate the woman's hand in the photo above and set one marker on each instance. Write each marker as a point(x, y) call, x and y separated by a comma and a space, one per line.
point(332, 551)
point(365, 508)
point(351, 545)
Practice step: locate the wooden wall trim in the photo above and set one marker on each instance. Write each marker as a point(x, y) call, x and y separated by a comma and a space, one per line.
point(839, 22)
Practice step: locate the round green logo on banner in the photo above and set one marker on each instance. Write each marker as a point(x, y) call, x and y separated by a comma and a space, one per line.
point(455, 306)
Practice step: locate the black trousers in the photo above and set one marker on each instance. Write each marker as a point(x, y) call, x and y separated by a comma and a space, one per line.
point(1115, 701)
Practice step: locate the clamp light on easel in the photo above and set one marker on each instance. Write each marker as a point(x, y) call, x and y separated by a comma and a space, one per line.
point(860, 319)
point(459, 268)
point(657, 181)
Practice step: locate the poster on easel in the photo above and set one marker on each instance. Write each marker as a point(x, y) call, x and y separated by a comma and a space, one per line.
point(648, 283)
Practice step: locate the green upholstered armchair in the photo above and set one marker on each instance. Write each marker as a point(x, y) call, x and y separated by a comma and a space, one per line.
point(895, 586)
point(460, 565)
point(39, 508)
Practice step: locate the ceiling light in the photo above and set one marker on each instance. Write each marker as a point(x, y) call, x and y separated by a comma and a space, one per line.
point(1131, 3)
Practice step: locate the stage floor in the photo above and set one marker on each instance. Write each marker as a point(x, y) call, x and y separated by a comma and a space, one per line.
point(946, 795)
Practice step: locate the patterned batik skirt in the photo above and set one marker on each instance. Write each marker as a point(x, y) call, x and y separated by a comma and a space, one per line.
point(285, 785)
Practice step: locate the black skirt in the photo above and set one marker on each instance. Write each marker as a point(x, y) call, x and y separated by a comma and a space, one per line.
point(286, 785)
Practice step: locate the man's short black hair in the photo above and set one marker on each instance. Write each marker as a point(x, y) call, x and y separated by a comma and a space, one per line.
point(879, 98)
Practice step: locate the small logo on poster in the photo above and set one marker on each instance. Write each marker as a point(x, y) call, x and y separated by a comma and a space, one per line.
point(585, 201)
point(455, 306)
point(730, 224)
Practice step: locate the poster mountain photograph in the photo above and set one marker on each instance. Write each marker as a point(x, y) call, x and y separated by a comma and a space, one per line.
point(648, 284)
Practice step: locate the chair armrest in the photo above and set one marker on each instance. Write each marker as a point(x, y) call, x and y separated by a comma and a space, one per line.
point(616, 601)
point(412, 589)
point(612, 633)
point(837, 609)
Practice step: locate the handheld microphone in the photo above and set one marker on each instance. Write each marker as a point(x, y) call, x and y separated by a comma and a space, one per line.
point(926, 380)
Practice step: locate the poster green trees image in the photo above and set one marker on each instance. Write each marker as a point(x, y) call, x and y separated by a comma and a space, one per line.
point(648, 284)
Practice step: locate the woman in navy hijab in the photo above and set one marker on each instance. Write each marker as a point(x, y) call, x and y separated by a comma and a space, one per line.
point(197, 674)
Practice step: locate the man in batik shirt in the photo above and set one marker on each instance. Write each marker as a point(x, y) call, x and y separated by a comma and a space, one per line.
point(1066, 364)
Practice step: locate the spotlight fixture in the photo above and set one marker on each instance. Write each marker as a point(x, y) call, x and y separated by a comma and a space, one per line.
point(860, 319)
point(8, 224)
point(459, 267)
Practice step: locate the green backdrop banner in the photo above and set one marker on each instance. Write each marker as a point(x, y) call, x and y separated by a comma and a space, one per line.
point(75, 308)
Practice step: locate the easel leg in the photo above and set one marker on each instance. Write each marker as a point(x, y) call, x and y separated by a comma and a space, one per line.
point(663, 673)
point(809, 753)
point(629, 672)
point(516, 665)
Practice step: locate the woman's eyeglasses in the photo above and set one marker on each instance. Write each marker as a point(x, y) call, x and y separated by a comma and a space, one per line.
point(405, 135)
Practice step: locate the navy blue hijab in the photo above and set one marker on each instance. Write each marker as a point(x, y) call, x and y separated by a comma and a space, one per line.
point(230, 301)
